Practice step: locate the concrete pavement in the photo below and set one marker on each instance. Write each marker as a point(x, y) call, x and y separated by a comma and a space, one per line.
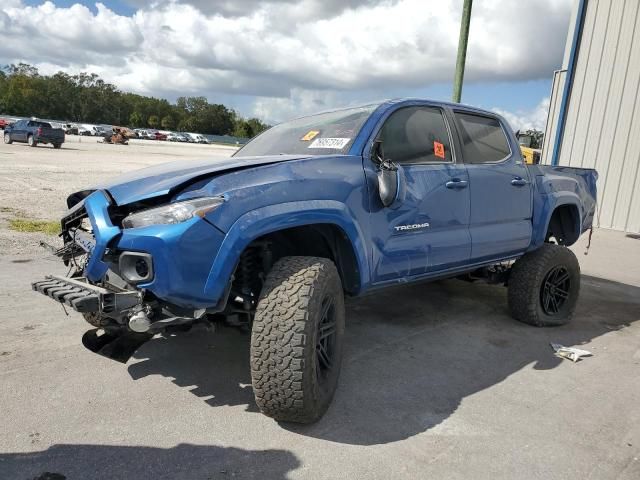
point(438, 382)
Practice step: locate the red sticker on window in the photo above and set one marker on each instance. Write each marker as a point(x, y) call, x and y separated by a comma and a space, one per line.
point(438, 149)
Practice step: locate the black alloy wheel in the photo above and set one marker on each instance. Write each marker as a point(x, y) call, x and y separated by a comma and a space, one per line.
point(326, 340)
point(555, 290)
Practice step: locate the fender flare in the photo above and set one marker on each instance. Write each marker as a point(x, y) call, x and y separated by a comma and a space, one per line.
point(272, 218)
point(551, 203)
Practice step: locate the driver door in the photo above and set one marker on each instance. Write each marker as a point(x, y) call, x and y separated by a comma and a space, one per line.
point(427, 228)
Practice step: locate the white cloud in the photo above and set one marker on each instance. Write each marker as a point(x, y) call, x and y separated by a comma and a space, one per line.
point(527, 119)
point(288, 53)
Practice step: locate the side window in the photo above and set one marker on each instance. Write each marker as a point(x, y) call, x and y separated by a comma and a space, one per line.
point(416, 135)
point(483, 139)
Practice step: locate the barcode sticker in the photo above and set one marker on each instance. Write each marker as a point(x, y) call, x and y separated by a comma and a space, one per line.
point(337, 143)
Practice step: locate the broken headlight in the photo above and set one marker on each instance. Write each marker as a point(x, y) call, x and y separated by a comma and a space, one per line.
point(177, 212)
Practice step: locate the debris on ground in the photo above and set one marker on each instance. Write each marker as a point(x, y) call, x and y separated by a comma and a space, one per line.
point(572, 353)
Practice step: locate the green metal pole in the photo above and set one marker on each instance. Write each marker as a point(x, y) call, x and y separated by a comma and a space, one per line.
point(462, 50)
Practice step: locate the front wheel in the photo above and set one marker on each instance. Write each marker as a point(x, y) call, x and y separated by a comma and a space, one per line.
point(296, 340)
point(544, 286)
point(31, 141)
point(7, 138)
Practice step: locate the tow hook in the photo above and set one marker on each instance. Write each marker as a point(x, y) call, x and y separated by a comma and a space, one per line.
point(140, 322)
point(120, 344)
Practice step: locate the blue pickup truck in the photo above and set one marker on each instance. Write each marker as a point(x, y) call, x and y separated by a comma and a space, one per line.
point(336, 204)
point(34, 132)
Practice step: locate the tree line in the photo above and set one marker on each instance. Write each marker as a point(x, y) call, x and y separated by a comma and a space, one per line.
point(86, 98)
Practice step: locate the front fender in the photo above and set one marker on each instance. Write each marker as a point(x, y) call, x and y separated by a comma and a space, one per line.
point(264, 220)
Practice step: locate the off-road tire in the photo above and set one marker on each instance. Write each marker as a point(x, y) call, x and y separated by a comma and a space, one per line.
point(284, 364)
point(95, 319)
point(7, 138)
point(526, 285)
point(31, 141)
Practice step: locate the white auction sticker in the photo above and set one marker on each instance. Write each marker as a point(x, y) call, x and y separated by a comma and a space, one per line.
point(337, 143)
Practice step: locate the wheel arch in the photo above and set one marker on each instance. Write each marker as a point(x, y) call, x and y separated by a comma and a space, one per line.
point(302, 224)
point(557, 216)
point(564, 224)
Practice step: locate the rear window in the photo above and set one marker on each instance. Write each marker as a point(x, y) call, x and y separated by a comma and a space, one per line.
point(483, 139)
point(33, 123)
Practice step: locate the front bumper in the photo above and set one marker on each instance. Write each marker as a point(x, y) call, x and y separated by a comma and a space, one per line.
point(183, 253)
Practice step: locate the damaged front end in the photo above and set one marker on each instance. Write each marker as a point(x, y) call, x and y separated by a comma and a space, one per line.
point(104, 283)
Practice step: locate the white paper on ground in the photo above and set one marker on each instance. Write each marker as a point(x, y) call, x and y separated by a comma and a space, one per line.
point(572, 353)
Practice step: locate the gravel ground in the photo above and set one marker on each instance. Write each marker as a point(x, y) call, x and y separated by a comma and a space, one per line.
point(35, 182)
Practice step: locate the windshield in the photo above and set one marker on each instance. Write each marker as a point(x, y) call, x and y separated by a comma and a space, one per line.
point(322, 134)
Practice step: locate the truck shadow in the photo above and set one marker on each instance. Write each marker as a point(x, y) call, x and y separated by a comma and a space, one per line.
point(412, 355)
point(96, 462)
point(214, 366)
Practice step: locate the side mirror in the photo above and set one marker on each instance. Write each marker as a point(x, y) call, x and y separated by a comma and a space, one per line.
point(387, 175)
point(388, 185)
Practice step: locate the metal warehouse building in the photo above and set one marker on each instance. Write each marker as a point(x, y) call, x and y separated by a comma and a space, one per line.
point(594, 115)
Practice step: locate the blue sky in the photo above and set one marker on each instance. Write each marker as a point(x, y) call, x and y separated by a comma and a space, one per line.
point(276, 59)
point(118, 6)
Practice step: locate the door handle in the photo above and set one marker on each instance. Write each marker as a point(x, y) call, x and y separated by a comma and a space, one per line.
point(519, 182)
point(456, 183)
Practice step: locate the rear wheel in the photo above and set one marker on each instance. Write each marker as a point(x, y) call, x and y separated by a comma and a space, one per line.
point(544, 286)
point(31, 141)
point(296, 340)
point(7, 138)
point(57, 145)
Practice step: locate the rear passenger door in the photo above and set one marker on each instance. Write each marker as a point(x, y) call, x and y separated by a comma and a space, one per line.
point(499, 187)
point(19, 132)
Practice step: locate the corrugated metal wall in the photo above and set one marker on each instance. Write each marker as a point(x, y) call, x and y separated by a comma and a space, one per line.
point(602, 128)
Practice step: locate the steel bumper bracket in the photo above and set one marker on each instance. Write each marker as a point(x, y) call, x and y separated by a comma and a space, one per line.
point(84, 297)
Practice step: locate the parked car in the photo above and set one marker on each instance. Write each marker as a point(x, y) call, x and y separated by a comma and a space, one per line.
point(34, 132)
point(196, 138)
point(102, 130)
point(84, 130)
point(176, 137)
point(201, 139)
point(70, 129)
point(156, 135)
point(3, 123)
point(337, 204)
point(92, 130)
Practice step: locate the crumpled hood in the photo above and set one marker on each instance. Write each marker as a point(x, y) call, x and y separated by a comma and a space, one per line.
point(163, 179)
